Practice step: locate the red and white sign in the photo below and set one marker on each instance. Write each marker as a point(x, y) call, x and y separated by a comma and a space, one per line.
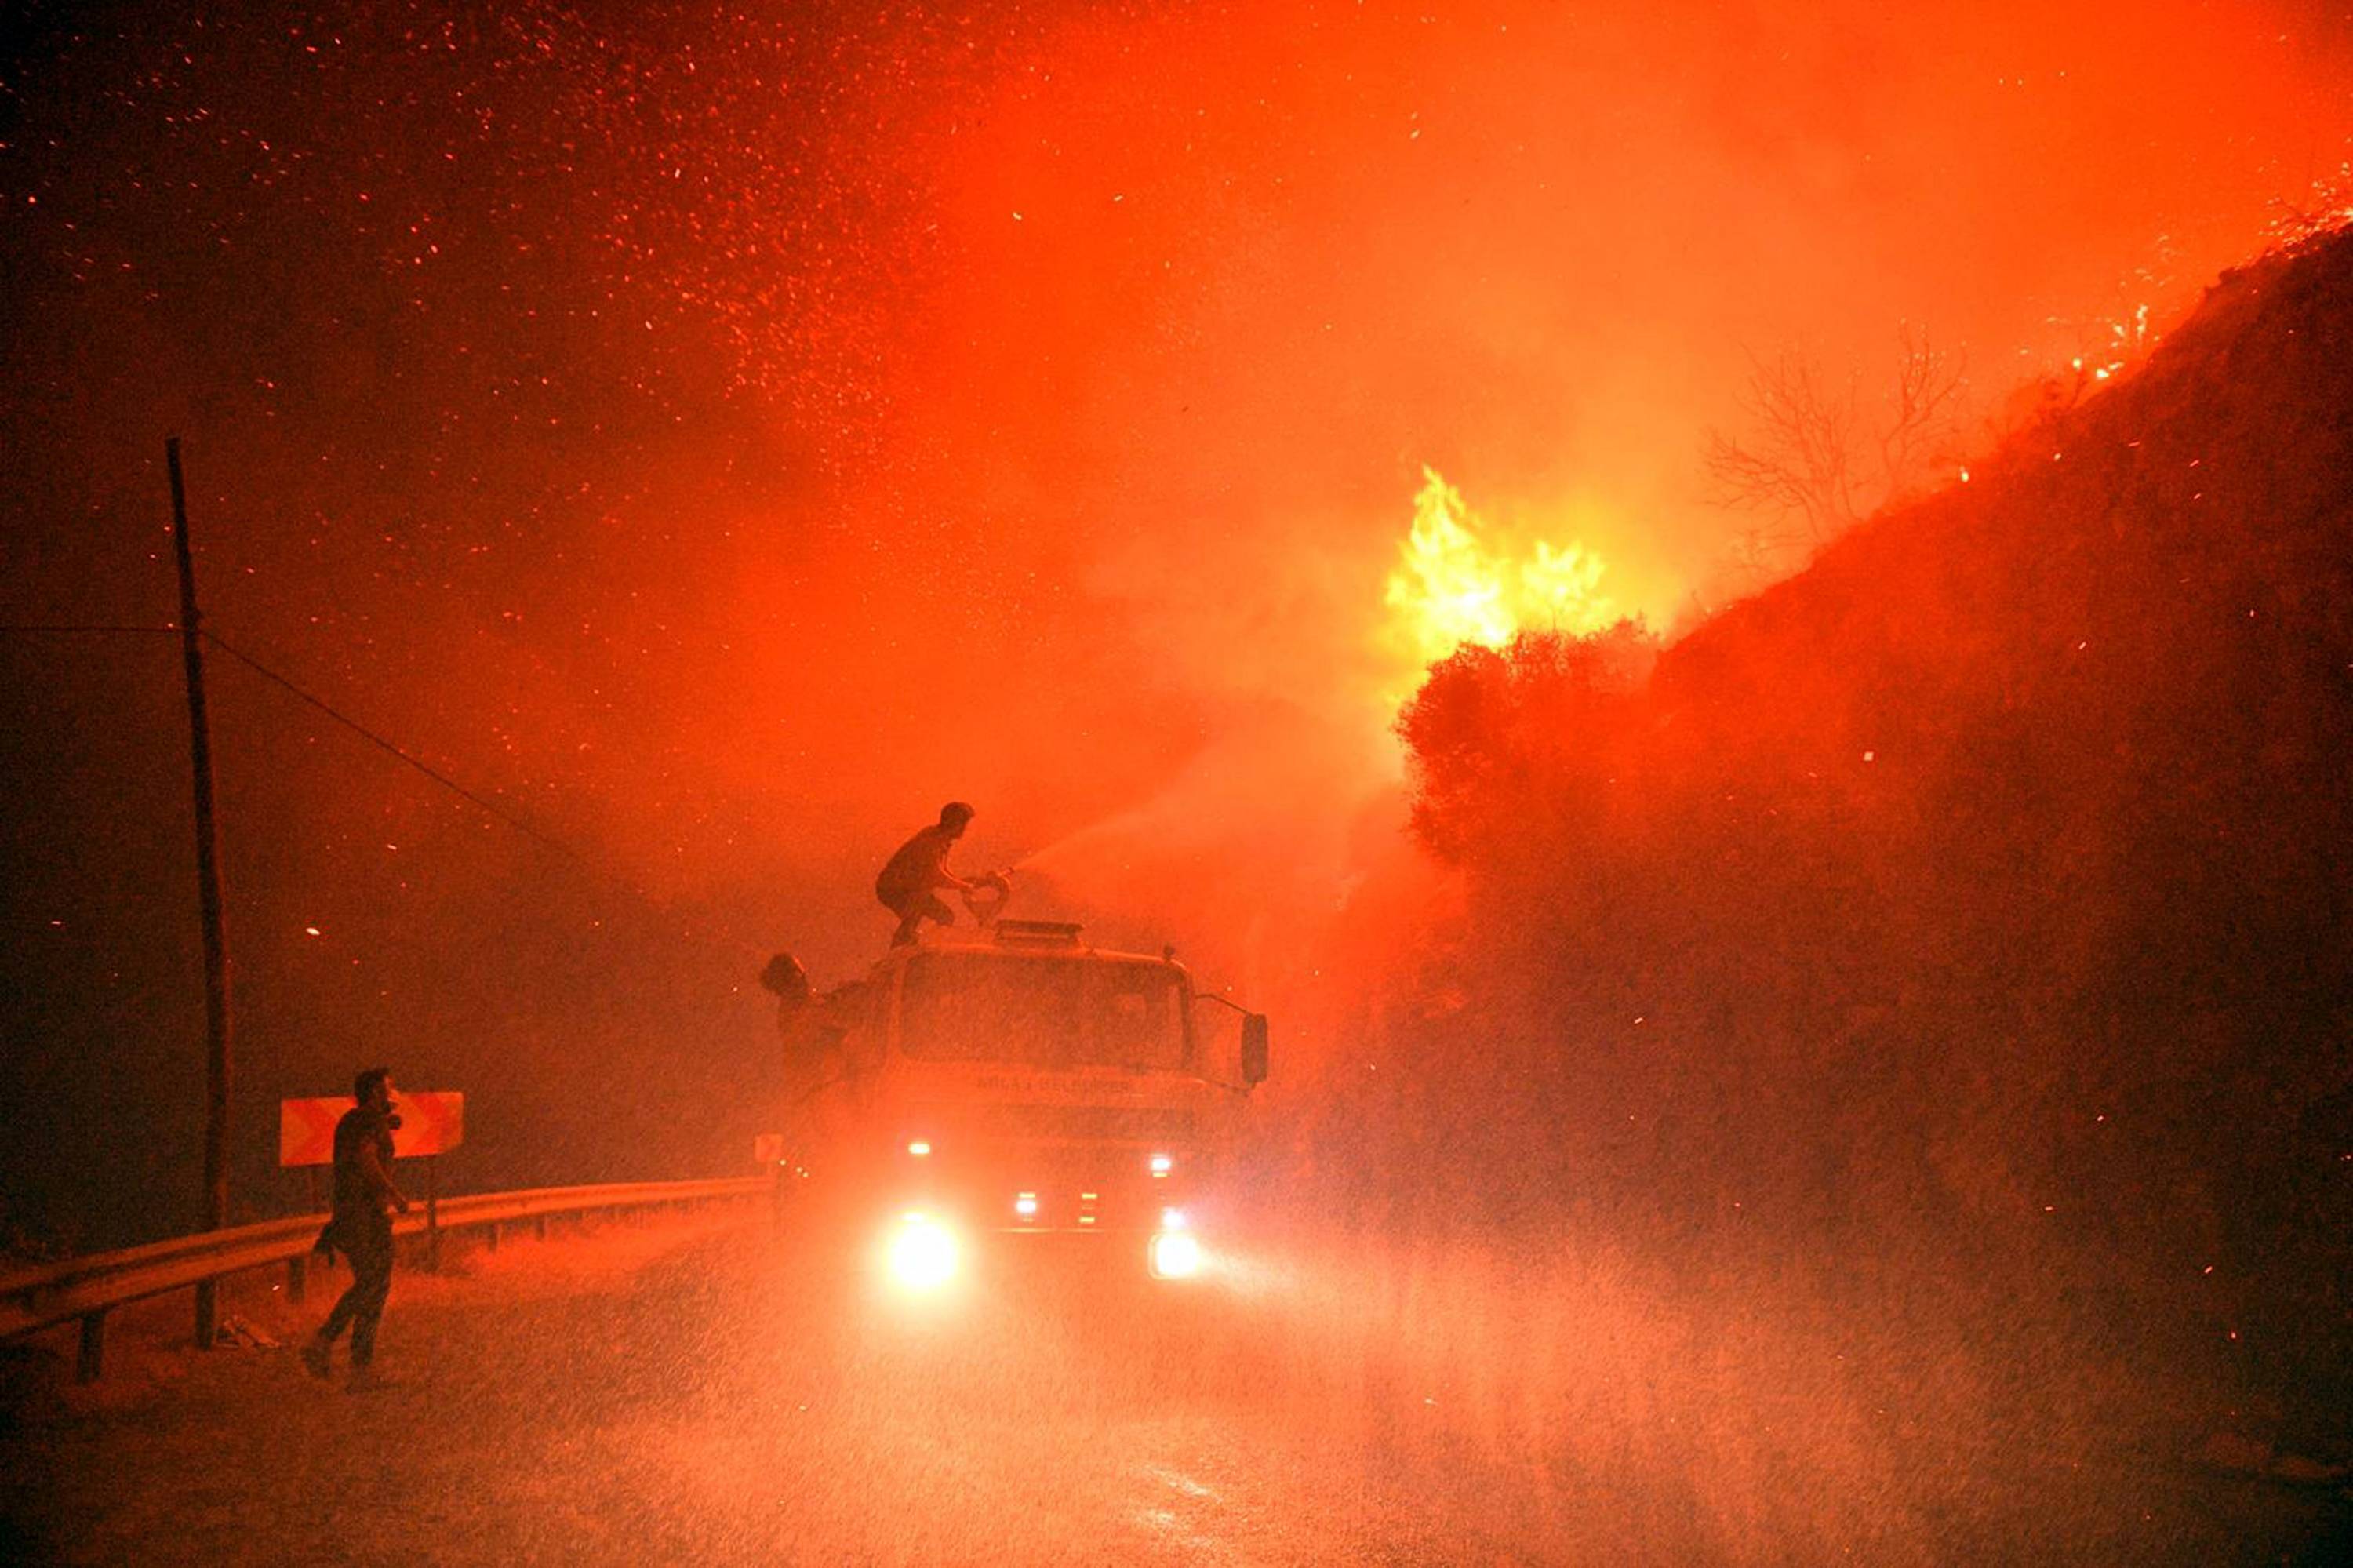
point(431, 1122)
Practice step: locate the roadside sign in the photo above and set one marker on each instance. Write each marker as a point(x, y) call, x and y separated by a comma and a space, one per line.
point(431, 1122)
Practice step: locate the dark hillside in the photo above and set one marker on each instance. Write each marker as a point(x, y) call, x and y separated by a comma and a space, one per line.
point(1972, 907)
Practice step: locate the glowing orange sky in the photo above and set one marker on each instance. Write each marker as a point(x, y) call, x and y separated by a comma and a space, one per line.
point(730, 434)
point(723, 434)
point(1186, 301)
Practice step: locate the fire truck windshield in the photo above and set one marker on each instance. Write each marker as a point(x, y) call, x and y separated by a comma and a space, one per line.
point(1043, 1011)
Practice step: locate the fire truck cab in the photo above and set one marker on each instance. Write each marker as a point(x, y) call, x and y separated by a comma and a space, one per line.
point(983, 1089)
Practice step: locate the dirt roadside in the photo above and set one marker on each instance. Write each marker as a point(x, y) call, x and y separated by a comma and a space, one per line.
point(74, 1487)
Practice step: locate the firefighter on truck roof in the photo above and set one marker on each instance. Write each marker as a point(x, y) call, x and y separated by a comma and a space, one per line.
point(909, 884)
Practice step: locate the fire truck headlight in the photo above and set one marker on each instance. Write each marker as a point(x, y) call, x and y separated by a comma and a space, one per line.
point(922, 1252)
point(1175, 1255)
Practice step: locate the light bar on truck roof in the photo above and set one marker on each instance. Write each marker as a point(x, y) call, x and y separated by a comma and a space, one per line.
point(1036, 934)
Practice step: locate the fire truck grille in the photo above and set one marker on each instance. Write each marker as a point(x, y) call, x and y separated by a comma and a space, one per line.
point(1131, 1124)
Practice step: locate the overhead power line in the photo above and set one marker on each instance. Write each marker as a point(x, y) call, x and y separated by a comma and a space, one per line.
point(492, 808)
point(373, 738)
point(155, 631)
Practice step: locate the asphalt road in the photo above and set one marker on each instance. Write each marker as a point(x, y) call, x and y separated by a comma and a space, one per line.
point(691, 1394)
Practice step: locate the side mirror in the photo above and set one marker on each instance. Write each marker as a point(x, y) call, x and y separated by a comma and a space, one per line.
point(1254, 1048)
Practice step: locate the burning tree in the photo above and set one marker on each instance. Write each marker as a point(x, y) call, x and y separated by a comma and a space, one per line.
point(1458, 583)
point(1493, 728)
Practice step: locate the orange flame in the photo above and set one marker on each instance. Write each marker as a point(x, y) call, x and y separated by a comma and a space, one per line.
point(1454, 585)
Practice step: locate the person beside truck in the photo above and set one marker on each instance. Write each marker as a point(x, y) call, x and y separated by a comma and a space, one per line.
point(361, 1229)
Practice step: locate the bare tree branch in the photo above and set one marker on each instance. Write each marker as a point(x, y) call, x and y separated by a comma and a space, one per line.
point(1808, 454)
point(1922, 413)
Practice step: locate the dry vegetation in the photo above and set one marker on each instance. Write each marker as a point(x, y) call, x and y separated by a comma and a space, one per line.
point(1955, 936)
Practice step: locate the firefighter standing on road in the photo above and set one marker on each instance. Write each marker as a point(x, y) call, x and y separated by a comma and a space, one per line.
point(908, 882)
point(362, 1228)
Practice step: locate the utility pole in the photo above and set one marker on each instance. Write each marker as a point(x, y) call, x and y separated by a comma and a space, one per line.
point(209, 895)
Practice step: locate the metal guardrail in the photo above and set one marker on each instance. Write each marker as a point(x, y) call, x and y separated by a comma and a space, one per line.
point(84, 1289)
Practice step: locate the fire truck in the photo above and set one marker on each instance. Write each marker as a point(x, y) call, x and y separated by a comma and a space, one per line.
point(978, 1093)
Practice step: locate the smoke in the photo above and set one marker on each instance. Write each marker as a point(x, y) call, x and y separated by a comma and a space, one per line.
point(1189, 301)
point(726, 435)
